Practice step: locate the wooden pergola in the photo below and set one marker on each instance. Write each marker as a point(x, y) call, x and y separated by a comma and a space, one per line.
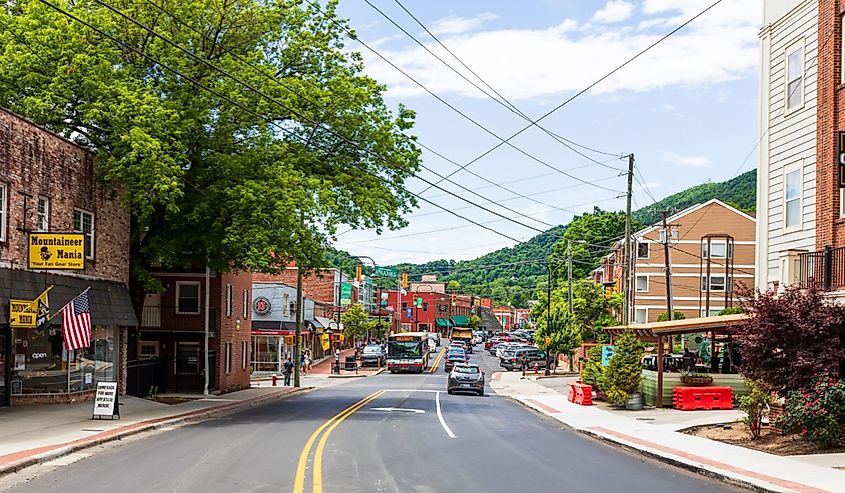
point(657, 331)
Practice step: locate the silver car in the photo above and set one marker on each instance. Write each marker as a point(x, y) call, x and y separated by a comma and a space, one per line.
point(466, 377)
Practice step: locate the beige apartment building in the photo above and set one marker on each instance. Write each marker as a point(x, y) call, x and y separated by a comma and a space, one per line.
point(711, 260)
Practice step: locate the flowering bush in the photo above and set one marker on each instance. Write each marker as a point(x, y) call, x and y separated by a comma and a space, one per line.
point(817, 411)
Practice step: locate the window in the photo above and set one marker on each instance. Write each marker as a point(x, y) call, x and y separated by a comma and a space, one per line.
point(794, 76)
point(188, 298)
point(83, 222)
point(717, 283)
point(228, 357)
point(147, 349)
point(641, 315)
point(244, 354)
point(43, 222)
point(792, 199)
point(4, 210)
point(642, 250)
point(286, 305)
point(228, 300)
point(642, 284)
point(662, 236)
point(720, 249)
point(246, 304)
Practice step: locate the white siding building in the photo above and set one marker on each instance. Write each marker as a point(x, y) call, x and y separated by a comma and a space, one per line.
point(786, 172)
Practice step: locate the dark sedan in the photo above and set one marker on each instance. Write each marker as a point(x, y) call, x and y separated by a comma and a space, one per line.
point(373, 355)
point(453, 358)
point(466, 378)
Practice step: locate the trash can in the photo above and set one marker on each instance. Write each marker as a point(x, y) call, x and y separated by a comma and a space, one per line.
point(350, 364)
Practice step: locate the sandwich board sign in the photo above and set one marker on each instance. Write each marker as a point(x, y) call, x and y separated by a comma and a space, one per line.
point(106, 401)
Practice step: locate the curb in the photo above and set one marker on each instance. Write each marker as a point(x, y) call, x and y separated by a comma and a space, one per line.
point(702, 471)
point(51, 452)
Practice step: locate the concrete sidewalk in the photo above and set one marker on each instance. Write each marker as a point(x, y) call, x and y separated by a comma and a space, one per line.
point(735, 464)
point(32, 434)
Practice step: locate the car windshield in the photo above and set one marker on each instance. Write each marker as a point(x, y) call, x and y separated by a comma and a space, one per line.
point(404, 349)
point(456, 355)
point(473, 370)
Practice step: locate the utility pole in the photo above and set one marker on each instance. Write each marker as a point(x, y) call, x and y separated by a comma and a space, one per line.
point(297, 345)
point(626, 282)
point(206, 333)
point(670, 309)
point(569, 273)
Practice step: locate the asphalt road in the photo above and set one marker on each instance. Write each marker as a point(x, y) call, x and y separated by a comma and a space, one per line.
point(395, 442)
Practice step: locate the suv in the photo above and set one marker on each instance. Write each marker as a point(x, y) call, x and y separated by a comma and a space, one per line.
point(512, 360)
point(373, 355)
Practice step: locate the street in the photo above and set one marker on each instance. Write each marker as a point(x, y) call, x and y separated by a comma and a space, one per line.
point(394, 441)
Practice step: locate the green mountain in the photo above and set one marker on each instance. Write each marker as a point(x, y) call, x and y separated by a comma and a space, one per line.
point(513, 274)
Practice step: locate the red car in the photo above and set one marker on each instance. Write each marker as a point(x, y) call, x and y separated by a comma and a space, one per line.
point(495, 340)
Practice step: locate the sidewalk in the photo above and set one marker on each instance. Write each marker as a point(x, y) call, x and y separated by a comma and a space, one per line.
point(32, 434)
point(728, 462)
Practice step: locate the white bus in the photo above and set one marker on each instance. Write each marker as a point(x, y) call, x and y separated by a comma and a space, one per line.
point(407, 351)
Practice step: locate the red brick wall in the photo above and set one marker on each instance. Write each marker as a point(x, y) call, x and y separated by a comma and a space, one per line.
point(38, 162)
point(830, 230)
point(234, 329)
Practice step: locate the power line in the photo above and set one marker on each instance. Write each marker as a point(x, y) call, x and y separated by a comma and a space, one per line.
point(589, 87)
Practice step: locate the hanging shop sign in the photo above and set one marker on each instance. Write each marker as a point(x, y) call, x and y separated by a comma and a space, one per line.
point(29, 314)
point(61, 251)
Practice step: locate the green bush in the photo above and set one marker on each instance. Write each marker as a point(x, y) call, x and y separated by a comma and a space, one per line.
point(817, 411)
point(594, 371)
point(753, 404)
point(623, 374)
point(664, 317)
point(733, 310)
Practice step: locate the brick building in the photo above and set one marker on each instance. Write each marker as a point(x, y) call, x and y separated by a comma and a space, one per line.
point(48, 184)
point(438, 311)
point(323, 286)
point(172, 332)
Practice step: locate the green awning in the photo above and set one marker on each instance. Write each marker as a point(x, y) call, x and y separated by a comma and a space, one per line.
point(460, 321)
point(442, 322)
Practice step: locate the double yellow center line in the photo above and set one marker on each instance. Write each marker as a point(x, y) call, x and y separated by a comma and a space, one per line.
point(437, 361)
point(327, 427)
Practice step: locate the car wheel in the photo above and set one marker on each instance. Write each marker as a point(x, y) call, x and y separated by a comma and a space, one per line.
point(449, 391)
point(480, 393)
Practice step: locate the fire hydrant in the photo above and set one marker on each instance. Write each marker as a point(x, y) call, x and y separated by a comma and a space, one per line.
point(536, 368)
point(275, 379)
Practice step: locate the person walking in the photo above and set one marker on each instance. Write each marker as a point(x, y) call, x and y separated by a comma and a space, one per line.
point(524, 363)
point(302, 363)
point(308, 359)
point(288, 370)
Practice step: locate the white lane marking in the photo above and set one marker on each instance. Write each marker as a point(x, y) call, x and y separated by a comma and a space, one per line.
point(440, 416)
point(399, 409)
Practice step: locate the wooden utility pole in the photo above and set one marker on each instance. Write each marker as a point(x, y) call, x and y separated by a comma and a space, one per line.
point(626, 282)
point(297, 344)
point(670, 309)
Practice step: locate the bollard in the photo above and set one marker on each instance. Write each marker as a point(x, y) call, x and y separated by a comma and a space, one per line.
point(275, 379)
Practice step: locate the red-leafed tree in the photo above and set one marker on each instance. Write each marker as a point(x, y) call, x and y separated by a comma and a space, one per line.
point(791, 338)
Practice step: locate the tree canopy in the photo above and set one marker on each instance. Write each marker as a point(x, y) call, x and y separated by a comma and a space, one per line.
point(239, 133)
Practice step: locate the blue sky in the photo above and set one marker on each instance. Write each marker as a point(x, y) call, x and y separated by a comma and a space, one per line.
point(686, 109)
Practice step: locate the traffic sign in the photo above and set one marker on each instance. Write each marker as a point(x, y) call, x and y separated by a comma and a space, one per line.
point(548, 341)
point(386, 272)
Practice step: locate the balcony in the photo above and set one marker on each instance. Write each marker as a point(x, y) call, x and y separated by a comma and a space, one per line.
point(823, 270)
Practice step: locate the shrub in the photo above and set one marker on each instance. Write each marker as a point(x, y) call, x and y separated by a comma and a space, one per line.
point(623, 374)
point(817, 411)
point(664, 317)
point(732, 310)
point(594, 371)
point(754, 404)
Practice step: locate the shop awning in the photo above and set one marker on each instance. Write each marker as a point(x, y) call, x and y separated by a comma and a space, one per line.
point(724, 323)
point(266, 325)
point(459, 321)
point(442, 322)
point(326, 323)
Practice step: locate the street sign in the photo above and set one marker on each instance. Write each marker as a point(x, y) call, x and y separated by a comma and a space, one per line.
point(386, 272)
point(345, 294)
point(56, 251)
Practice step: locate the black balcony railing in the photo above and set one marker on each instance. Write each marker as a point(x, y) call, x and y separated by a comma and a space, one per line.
point(823, 270)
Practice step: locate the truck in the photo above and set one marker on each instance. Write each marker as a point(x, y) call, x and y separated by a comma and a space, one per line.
point(463, 334)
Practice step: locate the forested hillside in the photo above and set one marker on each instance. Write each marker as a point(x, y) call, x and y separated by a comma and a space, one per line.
point(511, 275)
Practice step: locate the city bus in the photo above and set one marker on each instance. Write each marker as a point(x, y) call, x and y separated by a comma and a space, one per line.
point(407, 351)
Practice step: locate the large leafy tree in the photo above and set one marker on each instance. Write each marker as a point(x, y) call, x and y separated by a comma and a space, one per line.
point(563, 335)
point(246, 154)
point(791, 338)
point(356, 322)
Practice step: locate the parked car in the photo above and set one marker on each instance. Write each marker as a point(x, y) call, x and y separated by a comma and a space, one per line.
point(510, 345)
point(453, 358)
point(512, 360)
point(466, 378)
point(373, 355)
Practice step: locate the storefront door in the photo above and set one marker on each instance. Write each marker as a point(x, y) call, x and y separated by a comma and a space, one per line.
point(189, 376)
point(5, 371)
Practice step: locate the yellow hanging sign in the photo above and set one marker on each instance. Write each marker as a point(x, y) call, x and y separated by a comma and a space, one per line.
point(326, 342)
point(29, 314)
point(56, 251)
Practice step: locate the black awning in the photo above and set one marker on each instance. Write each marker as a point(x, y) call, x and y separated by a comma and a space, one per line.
point(266, 325)
point(110, 303)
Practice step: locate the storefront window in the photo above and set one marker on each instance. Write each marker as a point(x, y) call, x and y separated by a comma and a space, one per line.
point(40, 364)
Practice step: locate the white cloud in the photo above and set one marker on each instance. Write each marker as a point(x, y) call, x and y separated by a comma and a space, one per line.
point(614, 11)
point(457, 25)
point(546, 64)
point(686, 161)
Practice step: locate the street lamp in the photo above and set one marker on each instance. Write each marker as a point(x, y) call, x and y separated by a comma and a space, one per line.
point(336, 368)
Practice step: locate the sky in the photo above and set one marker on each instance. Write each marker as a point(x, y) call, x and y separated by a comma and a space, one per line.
point(686, 109)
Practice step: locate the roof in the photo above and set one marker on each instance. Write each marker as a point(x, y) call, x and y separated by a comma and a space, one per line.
point(686, 326)
point(692, 209)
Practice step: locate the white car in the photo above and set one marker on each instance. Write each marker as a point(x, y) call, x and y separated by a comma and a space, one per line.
point(510, 345)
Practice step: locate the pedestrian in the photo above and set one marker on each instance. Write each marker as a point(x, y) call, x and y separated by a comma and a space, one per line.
point(288, 371)
point(302, 363)
point(524, 363)
point(308, 359)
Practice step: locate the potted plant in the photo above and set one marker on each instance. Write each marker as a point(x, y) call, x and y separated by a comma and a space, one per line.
point(695, 379)
point(623, 374)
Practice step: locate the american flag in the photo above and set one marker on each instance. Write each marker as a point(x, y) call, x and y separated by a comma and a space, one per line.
point(76, 323)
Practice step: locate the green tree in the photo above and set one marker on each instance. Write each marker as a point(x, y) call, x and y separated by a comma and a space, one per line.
point(623, 373)
point(474, 321)
point(563, 335)
point(594, 309)
point(592, 235)
point(664, 317)
point(356, 322)
point(211, 177)
point(453, 286)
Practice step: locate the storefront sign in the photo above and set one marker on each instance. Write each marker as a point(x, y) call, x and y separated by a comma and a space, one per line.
point(29, 314)
point(261, 305)
point(841, 159)
point(289, 340)
point(56, 251)
point(345, 294)
point(105, 400)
